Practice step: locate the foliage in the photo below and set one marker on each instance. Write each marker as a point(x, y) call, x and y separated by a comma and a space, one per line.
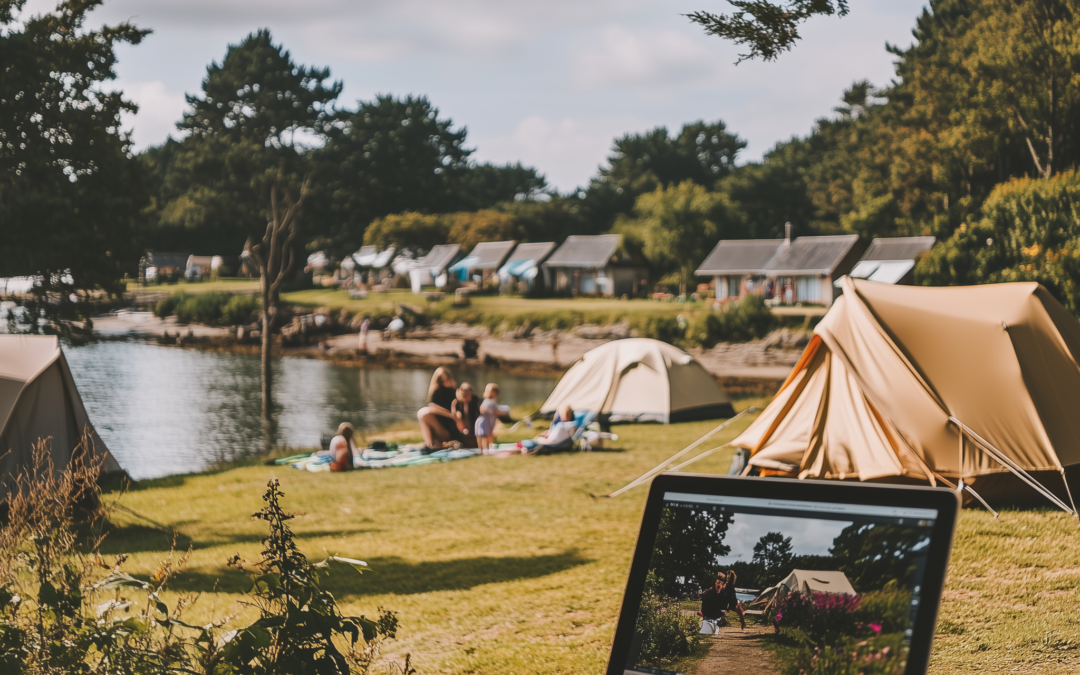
point(482, 186)
point(551, 220)
point(672, 222)
point(640, 163)
point(688, 542)
point(874, 555)
point(258, 93)
point(411, 231)
point(213, 308)
point(1029, 232)
point(68, 610)
point(748, 318)
point(214, 187)
point(471, 228)
point(768, 29)
point(300, 625)
point(663, 632)
point(389, 156)
point(70, 191)
point(823, 618)
point(884, 655)
point(773, 552)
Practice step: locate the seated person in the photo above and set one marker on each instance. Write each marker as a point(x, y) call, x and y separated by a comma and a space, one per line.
point(466, 409)
point(342, 448)
point(438, 425)
point(561, 432)
point(717, 601)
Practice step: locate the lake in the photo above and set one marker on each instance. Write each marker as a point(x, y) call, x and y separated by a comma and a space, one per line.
point(163, 410)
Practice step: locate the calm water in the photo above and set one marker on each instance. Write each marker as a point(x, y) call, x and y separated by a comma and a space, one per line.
point(162, 410)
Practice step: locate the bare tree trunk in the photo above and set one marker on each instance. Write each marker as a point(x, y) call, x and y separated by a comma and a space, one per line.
point(275, 258)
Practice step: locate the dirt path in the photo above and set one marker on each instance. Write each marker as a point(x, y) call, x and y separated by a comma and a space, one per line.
point(738, 652)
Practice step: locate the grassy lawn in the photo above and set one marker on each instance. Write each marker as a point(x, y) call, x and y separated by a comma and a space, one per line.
point(509, 566)
point(196, 288)
point(503, 312)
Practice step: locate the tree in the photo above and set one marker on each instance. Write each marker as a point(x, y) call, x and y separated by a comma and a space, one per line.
point(688, 543)
point(241, 171)
point(70, 190)
point(391, 155)
point(766, 28)
point(259, 93)
point(472, 227)
point(774, 554)
point(550, 220)
point(411, 231)
point(482, 186)
point(275, 257)
point(214, 190)
point(873, 554)
point(1030, 231)
point(674, 224)
point(702, 153)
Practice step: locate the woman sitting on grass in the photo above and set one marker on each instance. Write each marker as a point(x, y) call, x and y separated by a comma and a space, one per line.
point(342, 448)
point(438, 425)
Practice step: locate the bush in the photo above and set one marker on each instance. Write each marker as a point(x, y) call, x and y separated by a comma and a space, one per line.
point(212, 309)
point(68, 610)
point(889, 608)
point(664, 633)
point(885, 655)
point(824, 618)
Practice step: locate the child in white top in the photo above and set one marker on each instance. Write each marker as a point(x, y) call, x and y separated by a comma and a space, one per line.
point(489, 412)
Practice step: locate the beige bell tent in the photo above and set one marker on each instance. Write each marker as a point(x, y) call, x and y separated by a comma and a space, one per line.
point(640, 380)
point(804, 581)
point(963, 386)
point(38, 399)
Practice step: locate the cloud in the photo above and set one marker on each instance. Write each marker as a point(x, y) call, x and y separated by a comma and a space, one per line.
point(620, 56)
point(809, 536)
point(159, 110)
point(557, 147)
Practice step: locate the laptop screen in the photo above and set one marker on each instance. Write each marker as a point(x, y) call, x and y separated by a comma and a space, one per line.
point(820, 587)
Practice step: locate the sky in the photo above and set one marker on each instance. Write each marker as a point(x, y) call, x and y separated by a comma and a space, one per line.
point(809, 536)
point(548, 84)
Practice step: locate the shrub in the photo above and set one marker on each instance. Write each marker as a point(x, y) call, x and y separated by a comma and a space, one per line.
point(68, 610)
point(743, 320)
point(885, 655)
point(889, 608)
point(212, 308)
point(823, 618)
point(239, 310)
point(664, 633)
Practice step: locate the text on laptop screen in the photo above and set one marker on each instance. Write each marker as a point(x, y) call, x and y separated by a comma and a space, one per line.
point(833, 585)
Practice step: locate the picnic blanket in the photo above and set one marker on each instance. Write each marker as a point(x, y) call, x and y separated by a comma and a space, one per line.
point(406, 455)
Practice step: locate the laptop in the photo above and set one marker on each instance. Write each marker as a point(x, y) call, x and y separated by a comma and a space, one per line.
point(827, 576)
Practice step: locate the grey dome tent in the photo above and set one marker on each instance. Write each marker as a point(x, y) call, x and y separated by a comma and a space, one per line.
point(38, 400)
point(640, 380)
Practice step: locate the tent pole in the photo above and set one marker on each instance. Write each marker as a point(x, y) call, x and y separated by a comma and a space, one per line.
point(981, 500)
point(660, 467)
point(1069, 492)
point(1012, 466)
point(701, 456)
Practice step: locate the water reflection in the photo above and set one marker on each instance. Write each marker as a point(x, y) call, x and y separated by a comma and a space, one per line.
point(163, 410)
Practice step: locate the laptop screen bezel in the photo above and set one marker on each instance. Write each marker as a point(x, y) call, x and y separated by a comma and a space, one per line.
point(945, 502)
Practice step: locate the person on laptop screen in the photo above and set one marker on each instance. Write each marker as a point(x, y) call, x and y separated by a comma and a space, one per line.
point(717, 601)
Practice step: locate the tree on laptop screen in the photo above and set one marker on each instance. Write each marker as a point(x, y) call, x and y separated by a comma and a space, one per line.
point(835, 594)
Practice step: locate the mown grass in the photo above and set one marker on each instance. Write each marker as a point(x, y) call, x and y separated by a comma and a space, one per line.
point(223, 285)
point(510, 566)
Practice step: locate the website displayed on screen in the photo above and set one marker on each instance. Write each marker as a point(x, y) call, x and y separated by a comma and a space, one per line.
point(836, 584)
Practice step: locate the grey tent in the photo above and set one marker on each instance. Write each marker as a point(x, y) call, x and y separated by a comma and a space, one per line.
point(38, 399)
point(640, 380)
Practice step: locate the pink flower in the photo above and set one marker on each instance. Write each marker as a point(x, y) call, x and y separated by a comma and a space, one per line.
point(876, 627)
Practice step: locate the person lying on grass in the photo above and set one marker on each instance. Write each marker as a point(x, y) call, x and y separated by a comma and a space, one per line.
point(438, 425)
point(717, 601)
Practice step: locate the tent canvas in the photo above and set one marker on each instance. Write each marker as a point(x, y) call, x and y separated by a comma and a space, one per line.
point(640, 380)
point(936, 385)
point(38, 399)
point(804, 581)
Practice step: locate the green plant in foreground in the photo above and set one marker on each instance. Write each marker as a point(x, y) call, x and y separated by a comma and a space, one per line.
point(300, 628)
point(64, 609)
